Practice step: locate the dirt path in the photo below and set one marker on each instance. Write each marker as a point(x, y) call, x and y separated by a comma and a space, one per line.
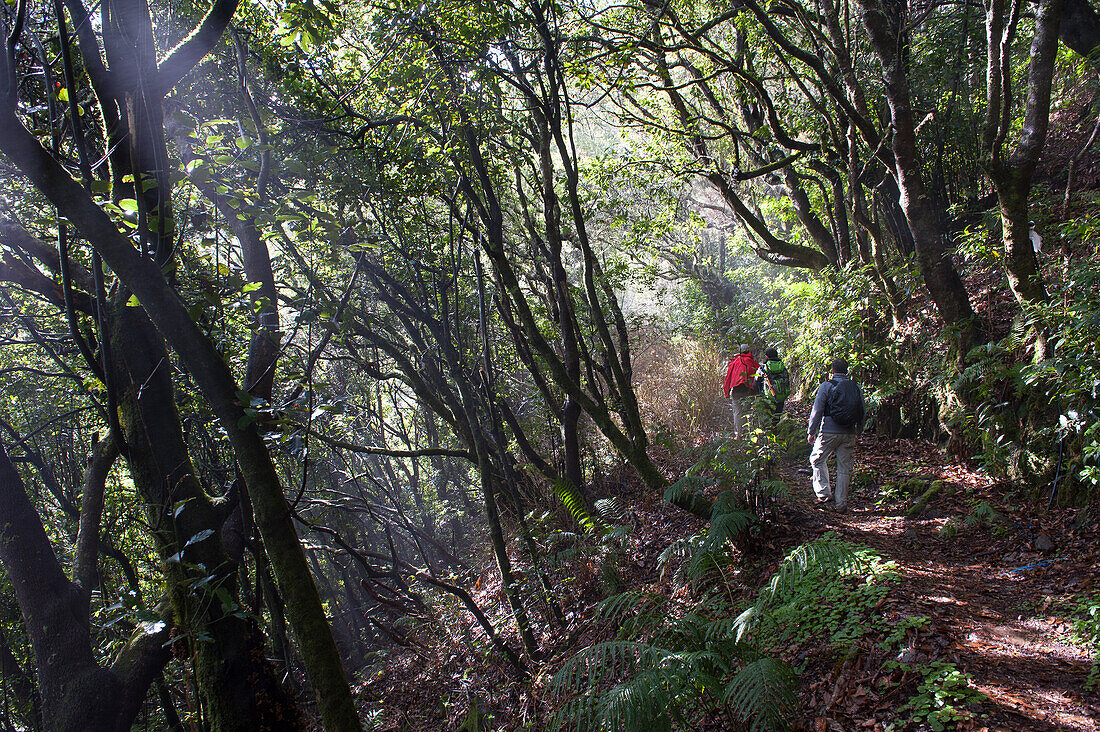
point(998, 604)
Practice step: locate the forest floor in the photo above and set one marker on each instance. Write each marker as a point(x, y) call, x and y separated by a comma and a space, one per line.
point(996, 575)
point(986, 582)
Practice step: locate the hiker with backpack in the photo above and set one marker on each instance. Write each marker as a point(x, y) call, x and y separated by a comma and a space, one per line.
point(835, 421)
point(773, 383)
point(738, 387)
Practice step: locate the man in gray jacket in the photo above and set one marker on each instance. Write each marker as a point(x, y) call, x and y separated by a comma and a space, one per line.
point(835, 422)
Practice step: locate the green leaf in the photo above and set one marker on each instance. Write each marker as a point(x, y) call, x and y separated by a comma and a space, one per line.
point(133, 302)
point(63, 94)
point(251, 286)
point(129, 205)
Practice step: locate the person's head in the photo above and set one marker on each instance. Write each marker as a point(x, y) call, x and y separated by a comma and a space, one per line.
point(772, 354)
point(839, 366)
point(744, 348)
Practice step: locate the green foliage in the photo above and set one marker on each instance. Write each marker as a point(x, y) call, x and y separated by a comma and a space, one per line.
point(600, 544)
point(889, 493)
point(1037, 421)
point(1086, 624)
point(674, 660)
point(984, 514)
point(671, 663)
point(570, 497)
point(896, 636)
point(942, 697)
point(740, 470)
point(827, 590)
point(980, 244)
point(762, 689)
point(1074, 373)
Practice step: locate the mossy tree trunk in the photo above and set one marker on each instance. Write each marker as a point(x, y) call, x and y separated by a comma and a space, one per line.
point(237, 683)
point(887, 29)
point(76, 692)
point(143, 277)
point(1011, 172)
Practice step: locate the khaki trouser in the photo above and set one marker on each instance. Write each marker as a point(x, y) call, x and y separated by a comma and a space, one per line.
point(825, 445)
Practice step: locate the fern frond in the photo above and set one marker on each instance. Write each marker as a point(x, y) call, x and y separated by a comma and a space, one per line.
point(558, 559)
point(611, 510)
point(600, 664)
point(727, 502)
point(678, 551)
point(725, 631)
point(727, 527)
point(702, 565)
point(615, 608)
point(616, 532)
point(762, 694)
point(686, 489)
point(744, 623)
point(827, 554)
point(639, 703)
point(574, 502)
point(687, 631)
point(654, 679)
point(775, 488)
point(576, 715)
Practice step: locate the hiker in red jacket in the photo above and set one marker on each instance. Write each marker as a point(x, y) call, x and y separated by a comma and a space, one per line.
point(738, 386)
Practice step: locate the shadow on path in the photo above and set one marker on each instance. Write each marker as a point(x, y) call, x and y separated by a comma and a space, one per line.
point(992, 602)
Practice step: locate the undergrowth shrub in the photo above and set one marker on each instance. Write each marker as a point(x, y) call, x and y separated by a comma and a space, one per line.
point(739, 466)
point(1086, 625)
point(941, 699)
point(1037, 422)
point(681, 657)
point(839, 586)
point(601, 543)
point(1074, 374)
point(678, 382)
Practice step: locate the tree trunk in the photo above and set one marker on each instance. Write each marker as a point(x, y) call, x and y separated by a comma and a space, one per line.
point(1011, 175)
point(216, 383)
point(1080, 27)
point(889, 39)
point(238, 687)
point(76, 692)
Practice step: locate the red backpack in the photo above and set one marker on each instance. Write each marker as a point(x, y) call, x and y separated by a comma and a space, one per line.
point(741, 371)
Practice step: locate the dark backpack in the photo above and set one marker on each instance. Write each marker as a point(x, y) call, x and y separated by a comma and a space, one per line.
point(843, 402)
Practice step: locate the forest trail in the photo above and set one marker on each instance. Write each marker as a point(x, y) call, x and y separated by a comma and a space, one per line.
point(975, 565)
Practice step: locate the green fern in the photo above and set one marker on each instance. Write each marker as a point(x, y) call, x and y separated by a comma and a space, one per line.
point(762, 693)
point(574, 502)
point(675, 661)
point(687, 489)
point(611, 510)
point(826, 555)
point(727, 527)
point(671, 663)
